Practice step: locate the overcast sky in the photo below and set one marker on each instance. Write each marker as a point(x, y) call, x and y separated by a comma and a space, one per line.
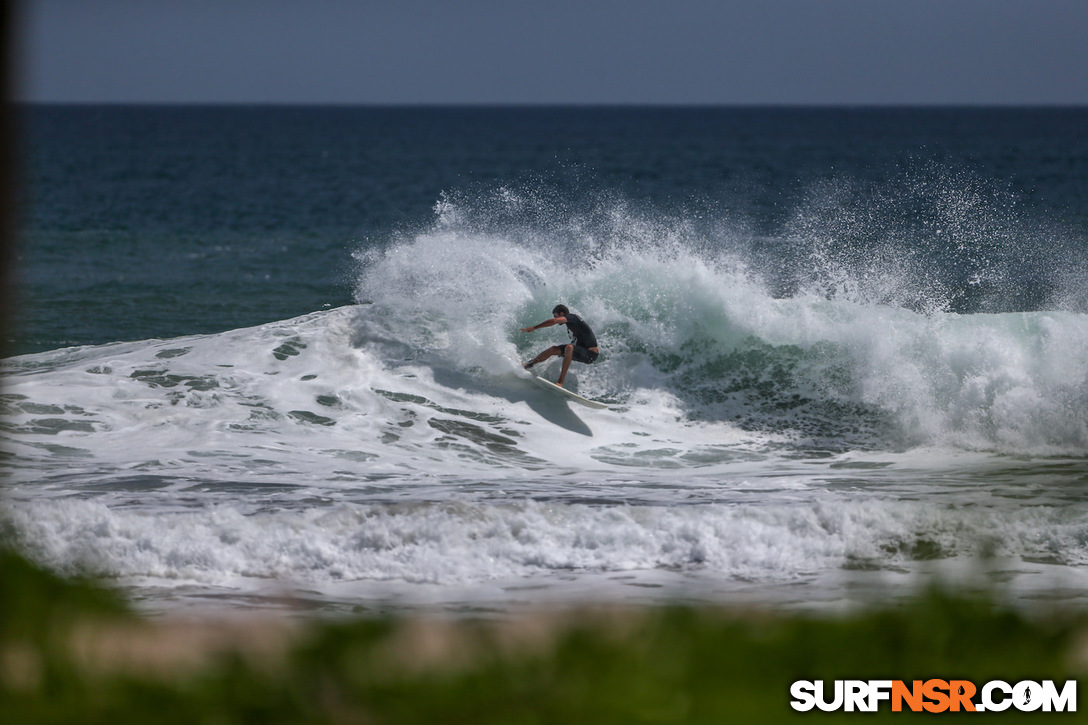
point(555, 51)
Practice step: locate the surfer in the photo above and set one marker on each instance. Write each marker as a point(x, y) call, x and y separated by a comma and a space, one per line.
point(582, 348)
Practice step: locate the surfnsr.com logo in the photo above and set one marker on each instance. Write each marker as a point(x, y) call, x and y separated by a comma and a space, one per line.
point(934, 696)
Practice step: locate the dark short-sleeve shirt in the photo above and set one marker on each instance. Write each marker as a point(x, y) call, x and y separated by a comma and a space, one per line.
point(579, 331)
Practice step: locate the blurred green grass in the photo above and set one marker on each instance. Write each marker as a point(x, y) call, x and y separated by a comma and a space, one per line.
point(72, 651)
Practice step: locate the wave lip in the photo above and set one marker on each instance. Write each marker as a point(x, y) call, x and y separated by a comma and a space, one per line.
point(700, 320)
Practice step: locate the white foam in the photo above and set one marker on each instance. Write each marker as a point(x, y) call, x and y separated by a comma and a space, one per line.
point(462, 542)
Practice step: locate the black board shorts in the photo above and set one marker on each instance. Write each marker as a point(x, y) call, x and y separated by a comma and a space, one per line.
point(582, 354)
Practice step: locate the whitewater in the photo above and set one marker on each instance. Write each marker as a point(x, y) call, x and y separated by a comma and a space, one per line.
point(819, 446)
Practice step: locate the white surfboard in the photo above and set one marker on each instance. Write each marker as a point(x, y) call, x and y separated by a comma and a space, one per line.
point(573, 396)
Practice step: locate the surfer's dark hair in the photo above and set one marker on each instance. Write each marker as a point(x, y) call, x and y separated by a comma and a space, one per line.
point(560, 310)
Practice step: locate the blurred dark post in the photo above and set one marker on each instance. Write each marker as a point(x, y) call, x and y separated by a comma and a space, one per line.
point(8, 192)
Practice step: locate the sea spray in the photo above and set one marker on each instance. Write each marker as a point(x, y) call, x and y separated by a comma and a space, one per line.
point(852, 365)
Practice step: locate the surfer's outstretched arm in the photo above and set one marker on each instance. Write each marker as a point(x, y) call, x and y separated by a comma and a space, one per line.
point(546, 323)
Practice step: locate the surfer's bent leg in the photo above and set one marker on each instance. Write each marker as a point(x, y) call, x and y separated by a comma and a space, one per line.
point(550, 352)
point(568, 355)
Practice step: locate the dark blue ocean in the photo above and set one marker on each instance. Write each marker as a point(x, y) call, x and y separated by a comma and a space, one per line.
point(275, 349)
